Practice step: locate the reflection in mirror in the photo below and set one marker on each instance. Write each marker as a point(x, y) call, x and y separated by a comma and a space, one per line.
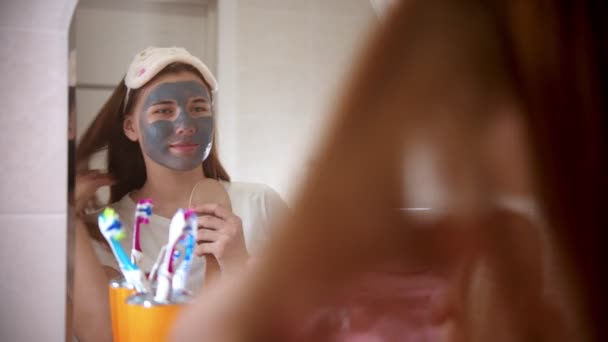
point(219, 117)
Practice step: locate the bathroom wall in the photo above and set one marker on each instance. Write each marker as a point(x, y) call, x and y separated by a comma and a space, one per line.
point(33, 141)
point(280, 63)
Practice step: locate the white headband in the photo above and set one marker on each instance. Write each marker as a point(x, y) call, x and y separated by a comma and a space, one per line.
point(149, 62)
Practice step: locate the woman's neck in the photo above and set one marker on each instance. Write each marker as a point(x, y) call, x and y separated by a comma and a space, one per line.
point(168, 189)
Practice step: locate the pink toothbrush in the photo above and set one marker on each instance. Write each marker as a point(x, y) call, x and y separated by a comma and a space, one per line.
point(143, 212)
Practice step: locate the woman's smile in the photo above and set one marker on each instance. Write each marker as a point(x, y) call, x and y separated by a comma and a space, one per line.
point(183, 147)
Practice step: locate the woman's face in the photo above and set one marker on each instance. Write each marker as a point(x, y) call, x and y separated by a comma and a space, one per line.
point(173, 122)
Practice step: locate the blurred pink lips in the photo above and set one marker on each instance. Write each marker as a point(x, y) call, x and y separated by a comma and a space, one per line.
point(184, 147)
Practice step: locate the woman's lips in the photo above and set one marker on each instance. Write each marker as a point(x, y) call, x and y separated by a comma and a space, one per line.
point(182, 148)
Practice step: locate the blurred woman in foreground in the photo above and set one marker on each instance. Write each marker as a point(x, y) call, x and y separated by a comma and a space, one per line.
point(490, 114)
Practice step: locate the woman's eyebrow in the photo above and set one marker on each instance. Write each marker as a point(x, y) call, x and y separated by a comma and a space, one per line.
point(163, 102)
point(199, 99)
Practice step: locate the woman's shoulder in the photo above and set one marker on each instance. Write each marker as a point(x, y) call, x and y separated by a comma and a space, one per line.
point(247, 188)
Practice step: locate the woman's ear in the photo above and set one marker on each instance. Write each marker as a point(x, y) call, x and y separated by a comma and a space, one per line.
point(130, 129)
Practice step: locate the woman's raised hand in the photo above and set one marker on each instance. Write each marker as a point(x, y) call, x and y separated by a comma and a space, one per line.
point(87, 183)
point(220, 234)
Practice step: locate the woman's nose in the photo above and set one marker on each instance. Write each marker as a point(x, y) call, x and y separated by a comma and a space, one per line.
point(185, 130)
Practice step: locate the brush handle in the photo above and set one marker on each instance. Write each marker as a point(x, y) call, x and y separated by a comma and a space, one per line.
point(136, 257)
point(138, 280)
point(124, 263)
point(163, 287)
point(153, 272)
point(180, 278)
point(136, 231)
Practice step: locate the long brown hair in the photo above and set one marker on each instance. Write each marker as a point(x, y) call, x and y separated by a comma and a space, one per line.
point(124, 157)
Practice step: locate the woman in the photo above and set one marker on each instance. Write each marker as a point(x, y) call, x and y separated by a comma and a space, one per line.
point(158, 128)
point(460, 81)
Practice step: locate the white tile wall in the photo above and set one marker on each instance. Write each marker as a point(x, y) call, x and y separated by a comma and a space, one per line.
point(33, 145)
point(289, 57)
point(33, 133)
point(36, 15)
point(33, 272)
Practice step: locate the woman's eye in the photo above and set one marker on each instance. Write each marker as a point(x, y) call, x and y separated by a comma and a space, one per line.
point(200, 110)
point(163, 111)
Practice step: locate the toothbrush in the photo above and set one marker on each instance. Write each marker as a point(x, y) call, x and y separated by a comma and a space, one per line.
point(112, 230)
point(143, 212)
point(177, 229)
point(181, 274)
point(159, 259)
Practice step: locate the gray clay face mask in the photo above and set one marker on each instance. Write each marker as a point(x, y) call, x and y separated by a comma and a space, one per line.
point(176, 125)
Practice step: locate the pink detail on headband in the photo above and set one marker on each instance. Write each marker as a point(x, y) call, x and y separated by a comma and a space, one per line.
point(141, 72)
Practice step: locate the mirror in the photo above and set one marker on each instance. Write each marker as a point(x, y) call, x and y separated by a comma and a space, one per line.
point(278, 65)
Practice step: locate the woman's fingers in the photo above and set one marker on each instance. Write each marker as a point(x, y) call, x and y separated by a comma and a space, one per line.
point(92, 175)
point(87, 184)
point(207, 235)
point(208, 248)
point(215, 210)
point(90, 178)
point(85, 188)
point(87, 173)
point(211, 222)
point(224, 232)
